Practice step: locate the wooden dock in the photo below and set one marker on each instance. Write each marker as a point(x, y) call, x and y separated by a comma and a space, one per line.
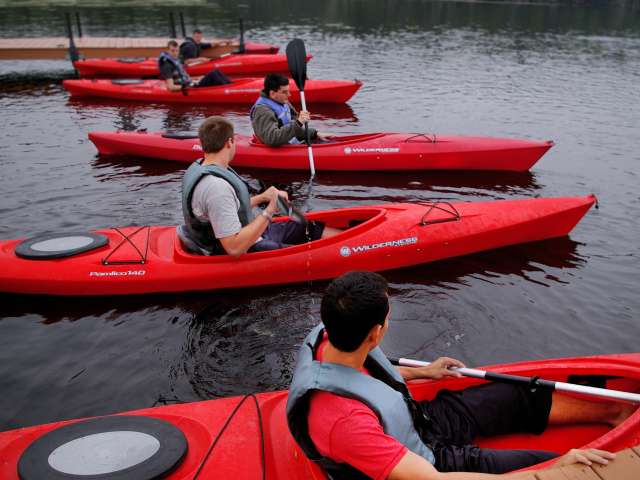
point(98, 47)
point(626, 466)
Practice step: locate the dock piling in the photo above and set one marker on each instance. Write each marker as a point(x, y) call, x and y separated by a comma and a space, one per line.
point(78, 25)
point(172, 26)
point(184, 31)
point(74, 56)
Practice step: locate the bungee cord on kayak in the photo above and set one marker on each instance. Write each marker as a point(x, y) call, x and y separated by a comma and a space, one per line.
point(224, 427)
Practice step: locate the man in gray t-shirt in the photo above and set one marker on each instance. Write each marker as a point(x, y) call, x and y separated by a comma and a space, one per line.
point(215, 201)
point(218, 209)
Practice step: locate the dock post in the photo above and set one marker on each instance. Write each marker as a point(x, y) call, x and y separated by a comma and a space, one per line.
point(184, 31)
point(241, 48)
point(172, 26)
point(78, 25)
point(73, 51)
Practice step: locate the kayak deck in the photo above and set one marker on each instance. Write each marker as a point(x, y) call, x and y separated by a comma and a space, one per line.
point(238, 451)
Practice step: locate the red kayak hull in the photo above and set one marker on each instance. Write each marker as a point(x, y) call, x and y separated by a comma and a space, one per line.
point(241, 91)
point(151, 259)
point(237, 455)
point(231, 64)
point(366, 152)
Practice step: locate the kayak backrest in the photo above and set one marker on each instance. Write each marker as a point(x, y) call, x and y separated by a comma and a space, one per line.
point(180, 135)
point(131, 60)
point(127, 81)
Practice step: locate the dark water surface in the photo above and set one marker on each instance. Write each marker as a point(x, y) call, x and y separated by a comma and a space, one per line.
point(567, 73)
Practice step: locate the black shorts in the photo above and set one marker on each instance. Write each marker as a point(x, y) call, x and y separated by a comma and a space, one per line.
point(457, 418)
point(284, 234)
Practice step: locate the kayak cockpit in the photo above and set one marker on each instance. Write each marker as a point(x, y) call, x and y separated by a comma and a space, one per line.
point(332, 142)
point(352, 221)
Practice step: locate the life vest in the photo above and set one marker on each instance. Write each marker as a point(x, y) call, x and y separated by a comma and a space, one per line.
point(283, 113)
point(384, 391)
point(185, 79)
point(200, 231)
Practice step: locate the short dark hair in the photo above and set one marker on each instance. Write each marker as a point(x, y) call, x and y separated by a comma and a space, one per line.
point(351, 306)
point(172, 43)
point(197, 30)
point(273, 82)
point(214, 133)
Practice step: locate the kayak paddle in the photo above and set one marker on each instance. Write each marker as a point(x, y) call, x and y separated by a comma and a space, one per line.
point(290, 211)
point(297, 60)
point(533, 382)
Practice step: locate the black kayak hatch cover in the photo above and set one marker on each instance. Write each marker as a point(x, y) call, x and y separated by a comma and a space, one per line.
point(122, 447)
point(59, 245)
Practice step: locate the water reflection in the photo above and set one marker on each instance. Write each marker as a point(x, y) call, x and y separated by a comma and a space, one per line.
point(174, 113)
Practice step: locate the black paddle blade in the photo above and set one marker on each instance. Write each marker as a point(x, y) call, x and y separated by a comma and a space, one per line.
point(297, 60)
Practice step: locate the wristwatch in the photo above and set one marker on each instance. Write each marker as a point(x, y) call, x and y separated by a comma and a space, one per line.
point(267, 215)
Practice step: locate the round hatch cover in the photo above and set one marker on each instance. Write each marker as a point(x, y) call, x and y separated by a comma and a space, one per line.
point(119, 448)
point(59, 245)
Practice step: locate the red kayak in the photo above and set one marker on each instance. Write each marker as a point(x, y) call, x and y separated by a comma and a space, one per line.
point(136, 260)
point(257, 441)
point(365, 152)
point(244, 90)
point(230, 64)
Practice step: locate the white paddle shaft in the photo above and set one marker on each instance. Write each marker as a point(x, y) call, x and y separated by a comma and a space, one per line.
point(560, 386)
point(312, 165)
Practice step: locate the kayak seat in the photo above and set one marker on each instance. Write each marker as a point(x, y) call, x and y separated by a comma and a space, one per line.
point(180, 135)
point(127, 81)
point(189, 245)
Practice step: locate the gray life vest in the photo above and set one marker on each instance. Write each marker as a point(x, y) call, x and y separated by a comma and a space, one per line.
point(384, 391)
point(282, 112)
point(200, 231)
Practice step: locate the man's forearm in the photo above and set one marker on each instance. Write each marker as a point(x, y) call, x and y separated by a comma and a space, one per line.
point(242, 241)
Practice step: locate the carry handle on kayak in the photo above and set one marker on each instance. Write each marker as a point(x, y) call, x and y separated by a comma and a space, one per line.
point(533, 382)
point(297, 60)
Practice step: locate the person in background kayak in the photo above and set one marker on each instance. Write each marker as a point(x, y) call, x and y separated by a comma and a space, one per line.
point(356, 426)
point(191, 49)
point(218, 209)
point(177, 78)
point(275, 122)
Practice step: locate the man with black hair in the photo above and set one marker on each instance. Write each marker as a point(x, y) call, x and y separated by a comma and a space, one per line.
point(176, 77)
point(275, 122)
point(191, 49)
point(350, 410)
